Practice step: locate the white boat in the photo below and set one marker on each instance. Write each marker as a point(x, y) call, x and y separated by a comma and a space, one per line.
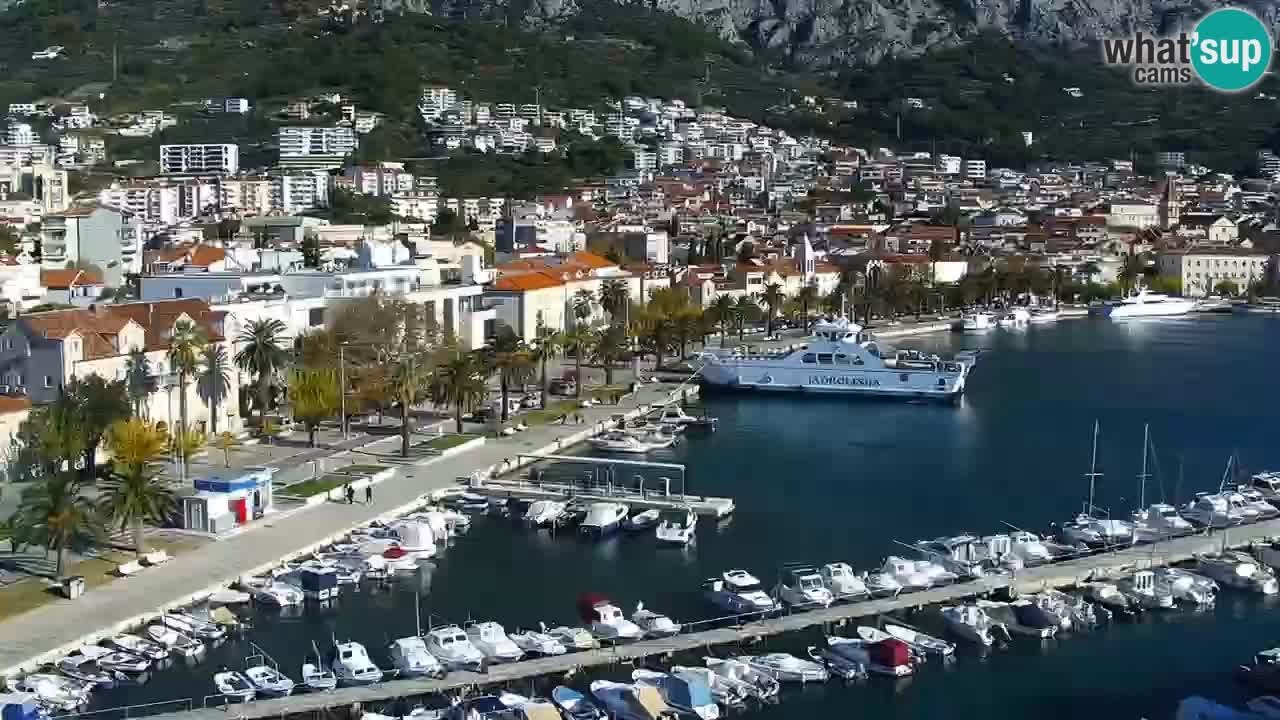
point(905, 573)
point(227, 596)
point(1145, 591)
point(452, 647)
point(617, 441)
point(1022, 618)
point(1015, 318)
point(533, 642)
point(628, 702)
point(738, 592)
point(1029, 548)
point(544, 513)
point(879, 653)
point(178, 644)
point(803, 588)
point(784, 667)
point(749, 681)
point(674, 415)
point(410, 658)
point(86, 669)
point(234, 686)
point(961, 556)
point(837, 665)
point(883, 583)
point(1045, 315)
point(920, 642)
point(278, 594)
point(834, 361)
point(112, 660)
point(56, 692)
point(351, 665)
point(641, 521)
point(685, 696)
point(192, 626)
point(841, 581)
point(657, 437)
point(725, 692)
point(677, 527)
point(317, 679)
point(1072, 611)
point(1253, 500)
point(1109, 596)
point(1158, 522)
point(141, 647)
point(1268, 485)
point(269, 682)
point(491, 640)
point(1097, 532)
point(1238, 571)
point(608, 623)
point(974, 322)
point(603, 519)
point(973, 624)
point(574, 639)
point(1144, 304)
point(1187, 586)
point(654, 624)
point(1211, 510)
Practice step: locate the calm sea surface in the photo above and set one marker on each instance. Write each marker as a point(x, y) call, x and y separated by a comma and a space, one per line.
point(819, 480)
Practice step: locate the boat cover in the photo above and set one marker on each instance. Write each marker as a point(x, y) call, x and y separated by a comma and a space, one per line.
point(316, 579)
point(540, 711)
point(687, 693)
point(19, 706)
point(587, 603)
point(651, 700)
point(223, 616)
point(1031, 616)
point(889, 653)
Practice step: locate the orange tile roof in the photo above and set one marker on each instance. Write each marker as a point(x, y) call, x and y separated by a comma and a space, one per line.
point(13, 404)
point(69, 278)
point(206, 255)
point(591, 260)
point(523, 282)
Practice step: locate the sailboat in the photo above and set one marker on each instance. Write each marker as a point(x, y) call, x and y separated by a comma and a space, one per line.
point(1158, 521)
point(1089, 530)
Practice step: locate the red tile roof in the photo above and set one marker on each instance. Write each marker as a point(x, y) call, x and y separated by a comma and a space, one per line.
point(522, 282)
point(69, 278)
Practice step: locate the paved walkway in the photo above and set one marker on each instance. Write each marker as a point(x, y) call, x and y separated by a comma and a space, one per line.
point(54, 627)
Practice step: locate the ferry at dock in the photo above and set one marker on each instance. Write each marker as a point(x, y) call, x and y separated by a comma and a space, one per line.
point(836, 360)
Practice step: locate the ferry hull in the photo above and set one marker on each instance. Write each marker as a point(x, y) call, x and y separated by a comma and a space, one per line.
point(950, 392)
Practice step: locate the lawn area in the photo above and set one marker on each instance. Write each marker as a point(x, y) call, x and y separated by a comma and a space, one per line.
point(359, 469)
point(551, 413)
point(444, 442)
point(315, 486)
point(606, 393)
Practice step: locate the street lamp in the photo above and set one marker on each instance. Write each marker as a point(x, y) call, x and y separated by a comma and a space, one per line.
point(342, 388)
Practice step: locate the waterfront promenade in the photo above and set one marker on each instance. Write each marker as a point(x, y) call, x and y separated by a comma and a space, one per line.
point(44, 633)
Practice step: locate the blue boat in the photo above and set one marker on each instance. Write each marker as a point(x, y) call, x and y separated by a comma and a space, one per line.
point(574, 705)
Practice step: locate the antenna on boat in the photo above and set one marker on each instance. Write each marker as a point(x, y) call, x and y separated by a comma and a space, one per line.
point(1093, 473)
point(1142, 476)
point(417, 612)
point(1226, 473)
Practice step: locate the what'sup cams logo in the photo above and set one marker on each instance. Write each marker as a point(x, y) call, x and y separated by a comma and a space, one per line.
point(1229, 50)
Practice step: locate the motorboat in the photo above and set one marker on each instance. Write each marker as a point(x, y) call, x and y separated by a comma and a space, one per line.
point(227, 596)
point(1145, 591)
point(573, 705)
point(1212, 510)
point(841, 581)
point(750, 682)
point(1160, 521)
point(1263, 671)
point(410, 658)
point(883, 655)
point(1268, 486)
point(801, 587)
point(269, 682)
point(483, 706)
point(278, 594)
point(836, 664)
point(607, 621)
point(785, 667)
point(193, 627)
point(533, 642)
point(56, 692)
point(919, 642)
point(491, 640)
point(468, 502)
point(974, 322)
point(685, 696)
point(112, 661)
point(883, 583)
point(318, 679)
point(538, 709)
point(617, 441)
point(642, 521)
point(1109, 596)
point(1015, 318)
point(1237, 570)
point(1247, 512)
point(351, 665)
point(972, 623)
point(603, 519)
point(964, 556)
point(1072, 611)
point(179, 645)
point(738, 592)
point(1187, 586)
point(654, 624)
point(656, 437)
point(1254, 500)
point(677, 527)
point(399, 560)
point(451, 646)
point(1093, 532)
point(234, 686)
point(1029, 548)
point(1040, 316)
point(939, 574)
point(141, 647)
point(906, 574)
point(85, 669)
point(574, 639)
point(318, 581)
point(673, 414)
point(1144, 304)
point(544, 513)
point(723, 691)
point(835, 360)
point(628, 702)
point(1021, 618)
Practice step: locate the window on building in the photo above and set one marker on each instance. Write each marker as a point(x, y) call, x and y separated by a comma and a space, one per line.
point(177, 292)
point(315, 317)
point(48, 381)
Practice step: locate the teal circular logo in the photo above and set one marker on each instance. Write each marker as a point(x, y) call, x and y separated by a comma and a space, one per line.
point(1231, 49)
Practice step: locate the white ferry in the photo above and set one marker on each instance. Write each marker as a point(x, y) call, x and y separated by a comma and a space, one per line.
point(836, 361)
point(1143, 305)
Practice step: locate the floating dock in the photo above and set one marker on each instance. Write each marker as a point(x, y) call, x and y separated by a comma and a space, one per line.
point(1055, 575)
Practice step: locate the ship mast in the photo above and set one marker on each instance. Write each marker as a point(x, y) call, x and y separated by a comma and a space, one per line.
point(1093, 473)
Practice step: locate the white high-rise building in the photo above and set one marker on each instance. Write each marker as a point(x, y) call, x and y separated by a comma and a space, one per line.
point(293, 193)
point(202, 158)
point(315, 147)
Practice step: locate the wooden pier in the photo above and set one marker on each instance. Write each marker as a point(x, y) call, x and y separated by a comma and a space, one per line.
point(1055, 575)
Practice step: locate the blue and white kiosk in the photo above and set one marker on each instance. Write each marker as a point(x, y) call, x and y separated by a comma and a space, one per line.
point(225, 500)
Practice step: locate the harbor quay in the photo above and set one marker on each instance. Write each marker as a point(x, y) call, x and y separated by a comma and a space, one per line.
point(1068, 573)
point(49, 632)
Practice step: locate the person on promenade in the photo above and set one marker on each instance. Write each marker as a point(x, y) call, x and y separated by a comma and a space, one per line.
point(368, 493)
point(350, 493)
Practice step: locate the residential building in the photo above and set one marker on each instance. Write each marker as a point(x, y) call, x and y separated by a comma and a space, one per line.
point(1133, 214)
point(72, 286)
point(1200, 270)
point(315, 147)
point(293, 193)
point(92, 234)
point(223, 159)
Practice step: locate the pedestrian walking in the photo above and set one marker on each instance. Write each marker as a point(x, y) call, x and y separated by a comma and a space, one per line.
point(368, 493)
point(350, 492)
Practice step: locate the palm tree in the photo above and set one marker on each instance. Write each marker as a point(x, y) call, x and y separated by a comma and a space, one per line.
point(745, 310)
point(615, 296)
point(513, 362)
point(608, 346)
point(773, 297)
point(137, 379)
point(459, 383)
point(263, 356)
point(722, 311)
point(185, 346)
point(807, 297)
point(314, 395)
point(410, 382)
point(133, 497)
point(584, 302)
point(686, 325)
point(548, 346)
point(55, 515)
point(578, 340)
point(214, 383)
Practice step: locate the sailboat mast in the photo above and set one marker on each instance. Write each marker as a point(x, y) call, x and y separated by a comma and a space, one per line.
point(417, 614)
point(1093, 468)
point(1142, 478)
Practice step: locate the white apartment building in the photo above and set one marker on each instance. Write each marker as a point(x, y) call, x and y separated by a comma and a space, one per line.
point(201, 158)
point(975, 169)
point(420, 205)
point(239, 106)
point(1200, 270)
point(88, 233)
point(21, 134)
point(644, 160)
point(1133, 214)
point(435, 100)
point(293, 193)
point(315, 147)
point(383, 179)
point(251, 196)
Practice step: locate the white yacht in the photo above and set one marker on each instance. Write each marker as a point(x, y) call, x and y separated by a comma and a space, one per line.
point(113, 660)
point(877, 652)
point(803, 588)
point(617, 441)
point(1109, 597)
point(1252, 499)
point(974, 322)
point(920, 642)
point(834, 361)
point(608, 623)
point(193, 627)
point(491, 639)
point(786, 668)
point(749, 681)
point(141, 647)
point(269, 682)
point(840, 579)
point(351, 665)
point(452, 647)
point(1239, 571)
point(677, 527)
point(178, 644)
point(1029, 548)
point(1015, 318)
point(1144, 305)
point(534, 642)
point(1187, 586)
point(1097, 532)
point(952, 558)
point(654, 624)
point(738, 592)
point(603, 519)
point(1212, 510)
point(906, 574)
point(574, 639)
point(544, 513)
point(410, 657)
point(1022, 618)
point(1159, 521)
point(973, 624)
point(1268, 485)
point(883, 583)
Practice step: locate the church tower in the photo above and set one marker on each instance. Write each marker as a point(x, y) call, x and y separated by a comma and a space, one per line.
point(1170, 204)
point(807, 260)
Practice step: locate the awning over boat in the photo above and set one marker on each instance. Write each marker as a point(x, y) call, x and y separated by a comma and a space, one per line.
point(651, 700)
point(540, 711)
